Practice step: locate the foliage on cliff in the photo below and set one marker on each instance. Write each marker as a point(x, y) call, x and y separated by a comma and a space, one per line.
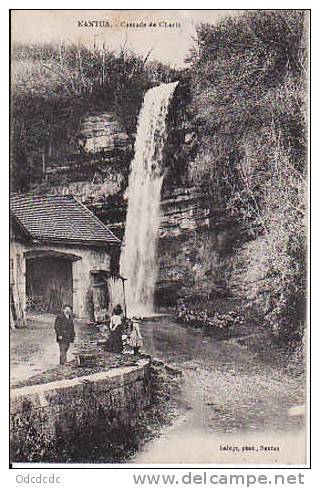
point(248, 82)
point(53, 86)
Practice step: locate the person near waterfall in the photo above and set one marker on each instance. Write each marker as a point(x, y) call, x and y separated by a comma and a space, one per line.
point(135, 338)
point(116, 326)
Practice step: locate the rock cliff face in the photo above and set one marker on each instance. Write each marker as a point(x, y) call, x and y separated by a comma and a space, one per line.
point(183, 211)
point(186, 253)
point(101, 132)
point(93, 160)
point(94, 167)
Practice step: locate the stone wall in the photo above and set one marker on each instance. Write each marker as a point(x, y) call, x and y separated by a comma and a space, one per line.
point(45, 417)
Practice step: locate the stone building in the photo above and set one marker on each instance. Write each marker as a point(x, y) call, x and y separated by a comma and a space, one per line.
point(61, 253)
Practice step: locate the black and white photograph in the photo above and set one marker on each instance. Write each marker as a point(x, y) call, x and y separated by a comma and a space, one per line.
point(159, 168)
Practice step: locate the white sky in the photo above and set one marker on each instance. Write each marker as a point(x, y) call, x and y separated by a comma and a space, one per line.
point(168, 44)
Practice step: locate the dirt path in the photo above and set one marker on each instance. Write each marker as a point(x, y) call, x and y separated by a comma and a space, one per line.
point(229, 398)
point(34, 349)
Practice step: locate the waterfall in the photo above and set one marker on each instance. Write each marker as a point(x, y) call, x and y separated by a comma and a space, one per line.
point(138, 261)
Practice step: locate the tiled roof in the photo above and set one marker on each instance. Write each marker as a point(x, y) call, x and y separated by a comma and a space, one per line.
point(59, 218)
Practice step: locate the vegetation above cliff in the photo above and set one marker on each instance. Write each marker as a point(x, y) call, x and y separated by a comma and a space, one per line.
point(53, 86)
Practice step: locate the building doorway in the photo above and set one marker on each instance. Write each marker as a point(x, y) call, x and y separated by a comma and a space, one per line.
point(100, 295)
point(48, 283)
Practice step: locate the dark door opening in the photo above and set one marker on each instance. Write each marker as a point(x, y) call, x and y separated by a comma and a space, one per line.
point(48, 283)
point(100, 295)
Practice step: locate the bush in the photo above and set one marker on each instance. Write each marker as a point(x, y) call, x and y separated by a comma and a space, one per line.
point(249, 105)
point(211, 322)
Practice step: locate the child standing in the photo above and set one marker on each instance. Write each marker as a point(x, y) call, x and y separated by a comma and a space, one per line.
point(136, 340)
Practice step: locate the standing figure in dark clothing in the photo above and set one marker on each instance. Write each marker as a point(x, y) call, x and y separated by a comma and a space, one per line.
point(116, 328)
point(64, 329)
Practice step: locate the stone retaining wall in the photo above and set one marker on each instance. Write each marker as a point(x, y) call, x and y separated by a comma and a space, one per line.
point(48, 417)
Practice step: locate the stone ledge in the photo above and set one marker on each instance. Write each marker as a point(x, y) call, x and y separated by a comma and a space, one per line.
point(45, 394)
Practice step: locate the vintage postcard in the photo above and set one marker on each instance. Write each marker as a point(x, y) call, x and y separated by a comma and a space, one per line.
point(158, 237)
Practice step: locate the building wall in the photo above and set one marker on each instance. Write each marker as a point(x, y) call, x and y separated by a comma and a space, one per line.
point(82, 284)
point(90, 259)
point(18, 270)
